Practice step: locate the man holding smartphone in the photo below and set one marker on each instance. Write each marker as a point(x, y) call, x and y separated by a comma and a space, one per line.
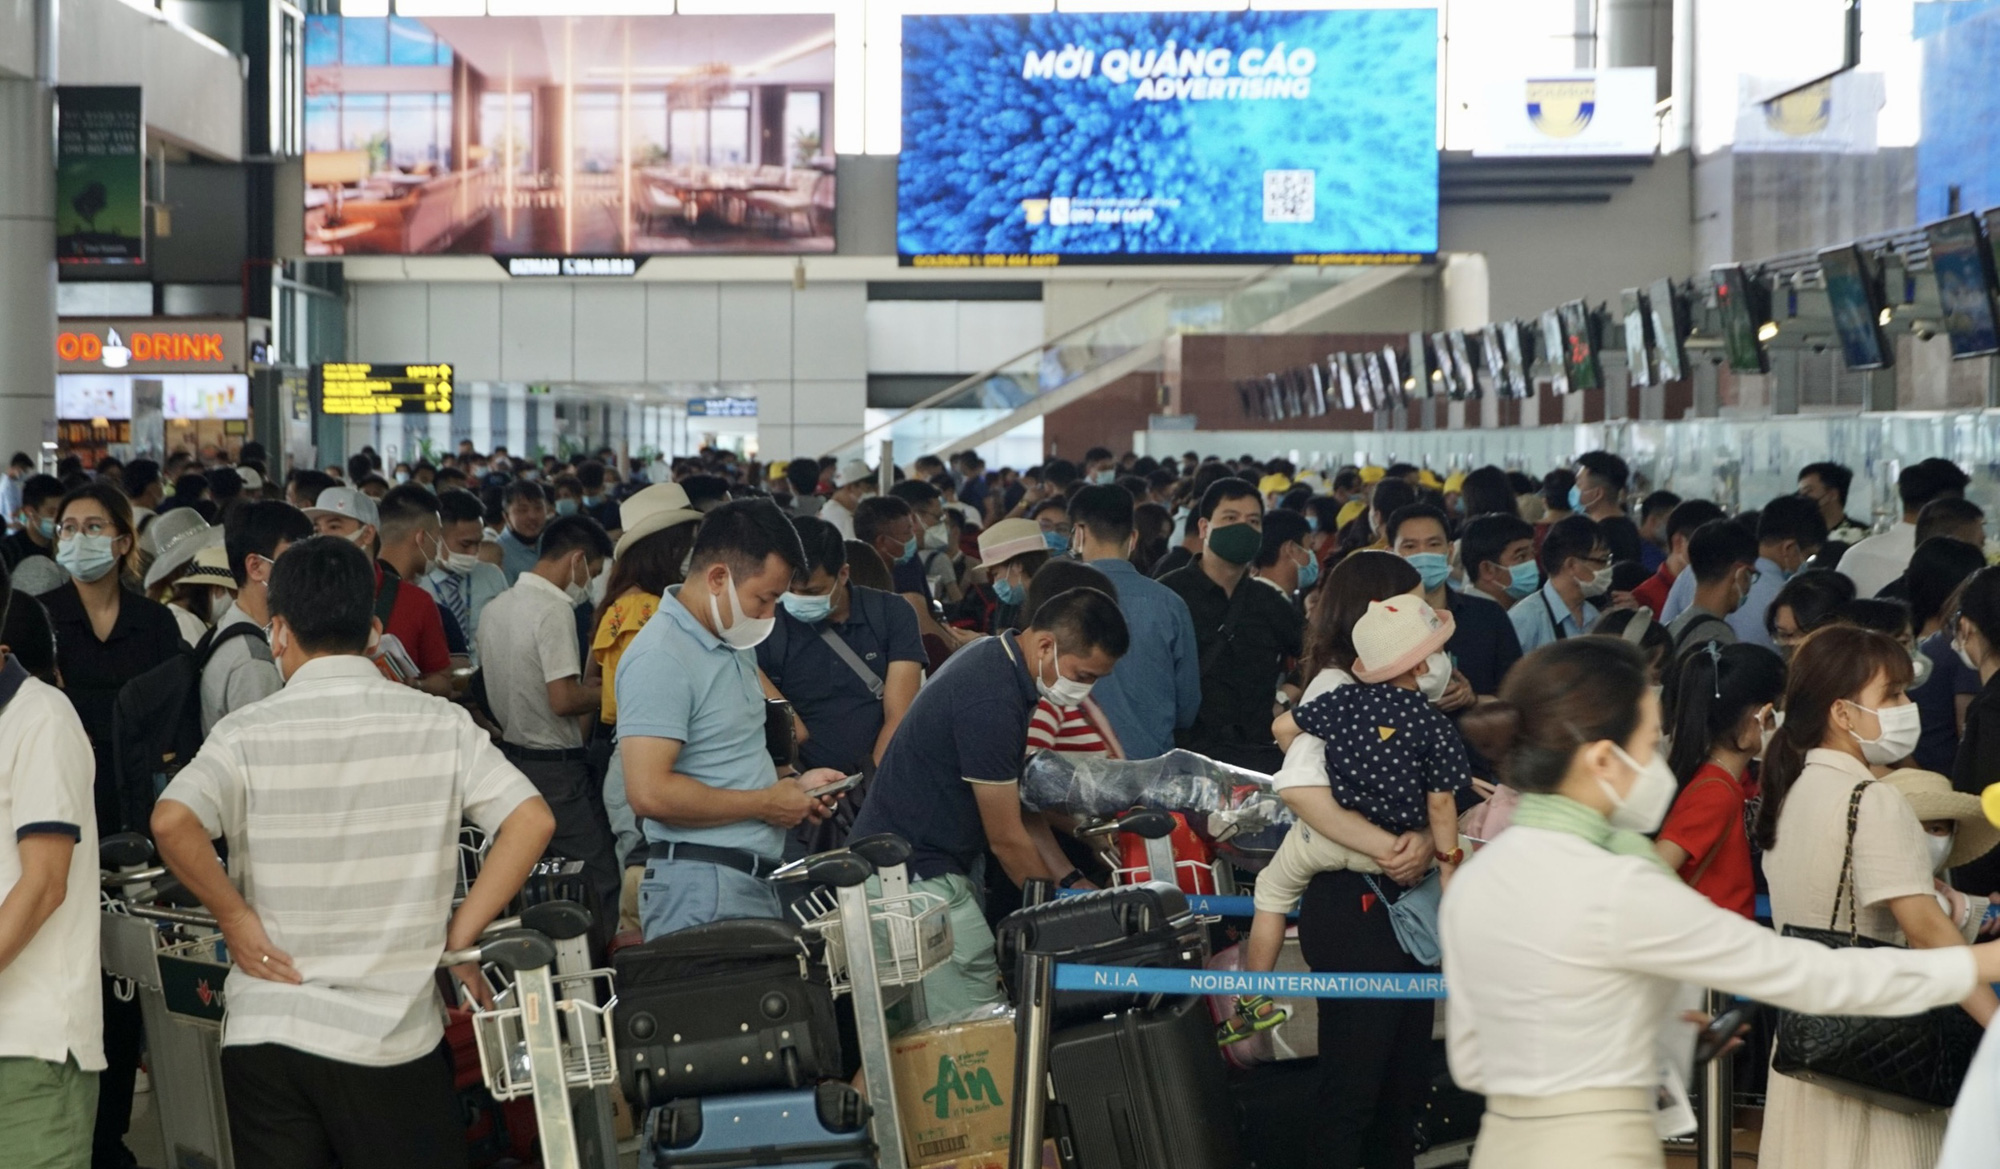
point(691, 728)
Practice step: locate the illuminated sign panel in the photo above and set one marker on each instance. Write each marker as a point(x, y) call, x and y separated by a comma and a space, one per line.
point(359, 388)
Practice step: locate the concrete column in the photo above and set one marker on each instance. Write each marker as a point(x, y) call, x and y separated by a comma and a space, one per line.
point(1466, 291)
point(27, 265)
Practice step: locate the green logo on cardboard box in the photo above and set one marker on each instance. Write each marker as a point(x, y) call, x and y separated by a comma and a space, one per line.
point(968, 1088)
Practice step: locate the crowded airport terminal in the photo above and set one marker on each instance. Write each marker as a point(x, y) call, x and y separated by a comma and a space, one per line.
point(999, 584)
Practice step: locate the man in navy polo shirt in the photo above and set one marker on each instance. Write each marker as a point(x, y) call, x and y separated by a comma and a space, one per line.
point(851, 697)
point(950, 780)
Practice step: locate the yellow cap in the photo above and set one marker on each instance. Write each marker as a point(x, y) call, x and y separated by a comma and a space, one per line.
point(1455, 483)
point(1990, 804)
point(1350, 511)
point(1428, 478)
point(776, 470)
point(1371, 473)
point(1273, 483)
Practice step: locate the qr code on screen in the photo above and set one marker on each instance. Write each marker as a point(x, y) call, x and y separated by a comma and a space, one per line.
point(1288, 196)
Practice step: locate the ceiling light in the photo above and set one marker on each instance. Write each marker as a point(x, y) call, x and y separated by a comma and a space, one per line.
point(1767, 330)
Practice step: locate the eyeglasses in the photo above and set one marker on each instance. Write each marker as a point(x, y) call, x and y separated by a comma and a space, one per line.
point(89, 527)
point(1599, 561)
point(1061, 529)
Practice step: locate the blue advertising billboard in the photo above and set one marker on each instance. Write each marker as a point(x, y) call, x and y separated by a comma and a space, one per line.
point(1258, 137)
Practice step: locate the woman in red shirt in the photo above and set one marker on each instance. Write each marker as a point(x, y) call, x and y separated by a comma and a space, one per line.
point(1723, 714)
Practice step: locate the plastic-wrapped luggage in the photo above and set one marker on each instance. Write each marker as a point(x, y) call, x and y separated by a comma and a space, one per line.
point(731, 1006)
point(1231, 806)
point(811, 1128)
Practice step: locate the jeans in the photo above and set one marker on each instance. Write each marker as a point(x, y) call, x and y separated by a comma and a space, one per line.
point(674, 895)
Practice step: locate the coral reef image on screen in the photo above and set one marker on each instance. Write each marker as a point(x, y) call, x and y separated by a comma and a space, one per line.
point(1119, 137)
point(570, 135)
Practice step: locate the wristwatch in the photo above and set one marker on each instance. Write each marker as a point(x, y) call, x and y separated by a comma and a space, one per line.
point(1455, 857)
point(1071, 879)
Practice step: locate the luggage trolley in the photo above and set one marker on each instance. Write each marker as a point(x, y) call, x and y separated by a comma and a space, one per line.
point(173, 960)
point(878, 949)
point(548, 1034)
point(1157, 829)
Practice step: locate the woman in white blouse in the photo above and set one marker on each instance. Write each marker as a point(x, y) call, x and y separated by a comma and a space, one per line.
point(1845, 711)
point(1565, 939)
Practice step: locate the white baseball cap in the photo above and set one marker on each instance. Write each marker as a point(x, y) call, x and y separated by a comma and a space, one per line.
point(346, 501)
point(853, 471)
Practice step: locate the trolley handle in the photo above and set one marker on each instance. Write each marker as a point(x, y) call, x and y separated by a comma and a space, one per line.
point(133, 877)
point(841, 868)
point(1149, 823)
point(124, 850)
point(884, 850)
point(517, 949)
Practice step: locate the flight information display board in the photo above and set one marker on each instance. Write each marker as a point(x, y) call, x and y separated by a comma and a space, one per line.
point(349, 387)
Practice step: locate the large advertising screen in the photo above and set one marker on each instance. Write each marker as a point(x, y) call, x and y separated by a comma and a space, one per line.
point(1306, 137)
point(598, 135)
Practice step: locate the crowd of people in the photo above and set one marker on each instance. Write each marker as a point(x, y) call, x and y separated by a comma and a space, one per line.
point(1637, 710)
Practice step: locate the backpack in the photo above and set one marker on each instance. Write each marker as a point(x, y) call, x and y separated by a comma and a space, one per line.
point(1700, 633)
point(156, 725)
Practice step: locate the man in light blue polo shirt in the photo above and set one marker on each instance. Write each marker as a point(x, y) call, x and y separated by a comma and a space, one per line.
point(1789, 530)
point(691, 728)
point(1577, 570)
point(1157, 687)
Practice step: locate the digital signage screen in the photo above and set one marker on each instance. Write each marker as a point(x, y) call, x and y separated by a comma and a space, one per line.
point(1638, 332)
point(1741, 300)
point(566, 136)
point(1669, 329)
point(1964, 272)
point(1132, 137)
point(1856, 298)
point(1579, 336)
point(349, 387)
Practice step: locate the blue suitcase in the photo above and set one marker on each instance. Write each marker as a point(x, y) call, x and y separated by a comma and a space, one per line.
point(812, 1128)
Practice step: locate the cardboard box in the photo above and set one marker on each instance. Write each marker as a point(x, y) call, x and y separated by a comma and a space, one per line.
point(955, 1092)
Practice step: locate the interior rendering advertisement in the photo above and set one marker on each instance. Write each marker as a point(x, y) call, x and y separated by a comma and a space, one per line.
point(504, 135)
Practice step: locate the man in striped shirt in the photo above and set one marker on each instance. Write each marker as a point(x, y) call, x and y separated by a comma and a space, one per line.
point(341, 798)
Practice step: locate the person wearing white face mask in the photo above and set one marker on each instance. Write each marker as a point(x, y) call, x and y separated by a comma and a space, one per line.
point(412, 543)
point(1566, 939)
point(1724, 714)
point(463, 583)
point(1395, 760)
point(949, 782)
point(1956, 833)
point(535, 689)
point(712, 806)
point(241, 669)
point(1576, 571)
point(1846, 717)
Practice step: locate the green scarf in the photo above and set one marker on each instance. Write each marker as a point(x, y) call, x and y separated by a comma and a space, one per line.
point(1562, 814)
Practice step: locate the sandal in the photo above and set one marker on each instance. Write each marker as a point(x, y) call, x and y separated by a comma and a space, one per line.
point(1254, 1013)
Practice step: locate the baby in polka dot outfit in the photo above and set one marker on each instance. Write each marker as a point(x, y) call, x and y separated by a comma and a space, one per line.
point(1391, 756)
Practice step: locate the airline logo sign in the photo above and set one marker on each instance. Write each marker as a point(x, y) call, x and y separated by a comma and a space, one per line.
point(151, 346)
point(1605, 112)
point(1561, 109)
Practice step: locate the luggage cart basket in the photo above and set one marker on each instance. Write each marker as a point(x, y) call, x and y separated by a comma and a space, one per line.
point(1156, 828)
point(878, 948)
point(546, 1036)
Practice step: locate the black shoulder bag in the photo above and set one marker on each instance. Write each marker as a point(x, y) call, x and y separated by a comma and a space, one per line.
point(1904, 1063)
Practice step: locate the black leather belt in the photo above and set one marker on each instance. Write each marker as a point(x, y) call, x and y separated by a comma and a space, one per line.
point(740, 859)
point(543, 754)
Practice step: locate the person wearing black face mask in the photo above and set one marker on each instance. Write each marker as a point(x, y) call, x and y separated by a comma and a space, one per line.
point(1246, 637)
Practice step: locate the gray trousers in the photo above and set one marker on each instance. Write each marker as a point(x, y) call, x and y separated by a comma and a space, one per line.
point(582, 832)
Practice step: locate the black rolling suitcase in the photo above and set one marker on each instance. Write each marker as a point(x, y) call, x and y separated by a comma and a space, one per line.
point(1143, 1089)
point(731, 1006)
point(1274, 1105)
point(1133, 925)
point(1450, 1113)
